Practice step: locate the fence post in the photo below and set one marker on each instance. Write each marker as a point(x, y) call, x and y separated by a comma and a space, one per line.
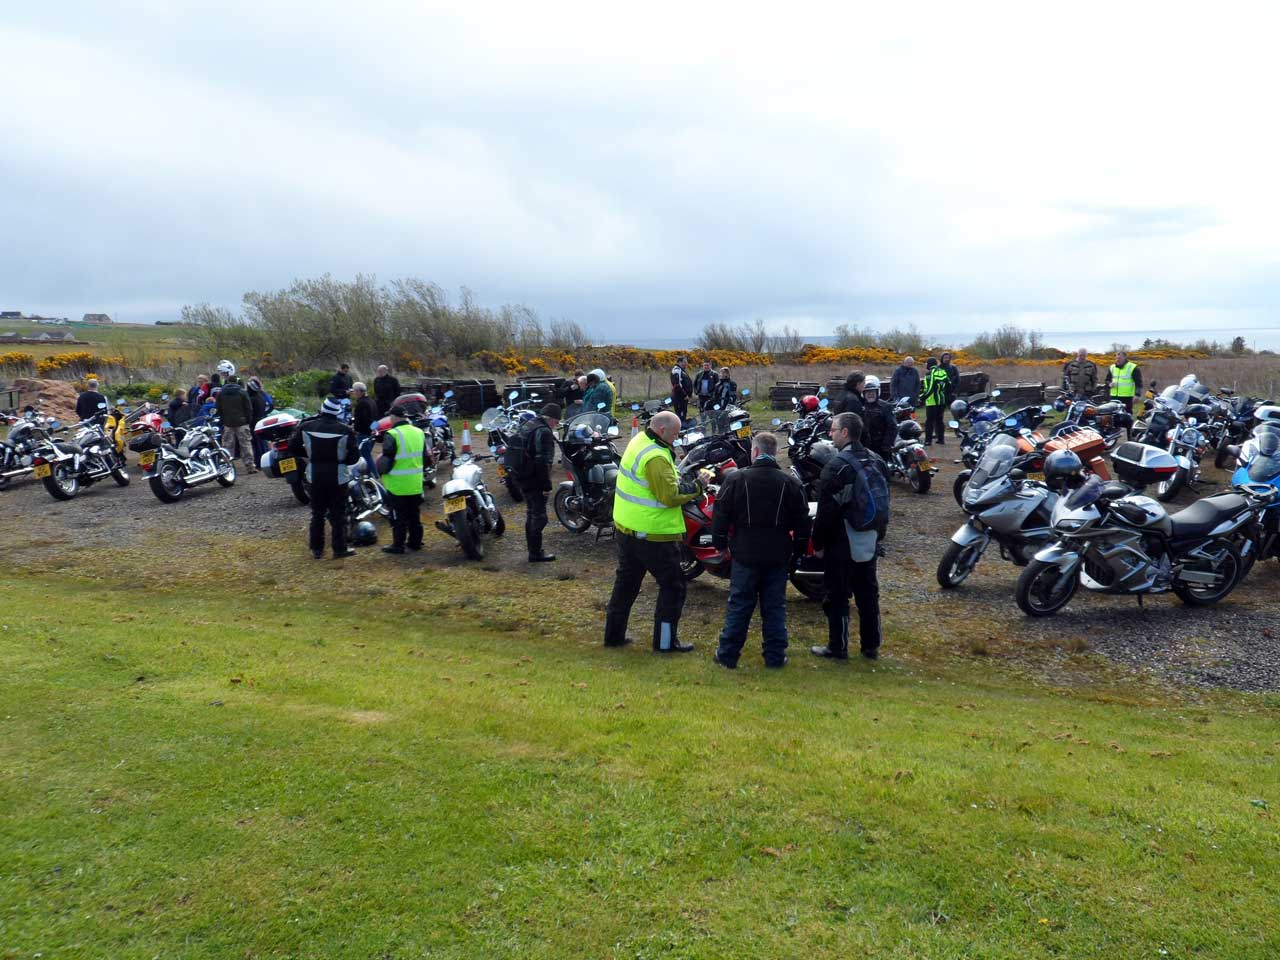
point(648, 391)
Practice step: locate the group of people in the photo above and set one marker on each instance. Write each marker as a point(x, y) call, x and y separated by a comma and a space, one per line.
point(1123, 381)
point(238, 405)
point(709, 388)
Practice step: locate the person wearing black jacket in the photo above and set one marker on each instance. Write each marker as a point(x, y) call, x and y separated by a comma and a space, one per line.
point(571, 397)
point(681, 388)
point(953, 377)
point(879, 426)
point(849, 555)
point(330, 448)
point(851, 402)
point(762, 517)
point(340, 383)
point(179, 412)
point(363, 412)
point(538, 438)
point(385, 390)
point(90, 402)
point(704, 385)
point(725, 393)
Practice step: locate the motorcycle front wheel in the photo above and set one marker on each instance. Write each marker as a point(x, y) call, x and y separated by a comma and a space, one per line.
point(63, 483)
point(166, 483)
point(119, 473)
point(1166, 490)
point(1045, 588)
point(918, 480)
point(690, 565)
point(464, 525)
point(957, 488)
point(226, 473)
point(568, 513)
point(957, 563)
point(1227, 567)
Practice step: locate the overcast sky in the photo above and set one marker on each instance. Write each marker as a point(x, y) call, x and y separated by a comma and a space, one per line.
point(652, 167)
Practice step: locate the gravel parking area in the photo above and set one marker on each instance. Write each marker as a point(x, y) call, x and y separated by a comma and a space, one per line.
point(1232, 645)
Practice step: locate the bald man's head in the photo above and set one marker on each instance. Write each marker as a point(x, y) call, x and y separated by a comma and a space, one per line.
point(665, 426)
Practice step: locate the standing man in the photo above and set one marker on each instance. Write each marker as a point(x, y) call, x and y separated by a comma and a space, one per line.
point(879, 426)
point(953, 377)
point(235, 410)
point(725, 394)
point(330, 448)
point(90, 402)
point(1080, 376)
point(851, 402)
point(385, 390)
point(341, 381)
point(401, 473)
point(704, 385)
point(648, 527)
point(363, 412)
point(905, 382)
point(1125, 380)
point(853, 513)
point(762, 516)
point(935, 402)
point(537, 440)
point(681, 388)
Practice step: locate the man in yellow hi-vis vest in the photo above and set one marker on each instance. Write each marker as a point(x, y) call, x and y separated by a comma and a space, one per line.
point(403, 450)
point(1125, 380)
point(648, 525)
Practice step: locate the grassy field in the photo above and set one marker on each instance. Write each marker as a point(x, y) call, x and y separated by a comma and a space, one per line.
point(431, 766)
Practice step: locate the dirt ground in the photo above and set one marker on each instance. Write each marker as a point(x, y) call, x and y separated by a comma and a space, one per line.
point(1231, 645)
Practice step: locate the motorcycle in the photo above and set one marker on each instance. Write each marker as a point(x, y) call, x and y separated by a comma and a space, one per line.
point(1004, 506)
point(470, 512)
point(1258, 462)
point(29, 433)
point(907, 458)
point(586, 498)
point(365, 498)
point(274, 431)
point(1231, 423)
point(1109, 538)
point(197, 458)
point(501, 424)
point(726, 433)
point(66, 467)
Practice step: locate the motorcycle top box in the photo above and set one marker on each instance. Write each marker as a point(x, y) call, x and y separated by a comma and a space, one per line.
point(1140, 465)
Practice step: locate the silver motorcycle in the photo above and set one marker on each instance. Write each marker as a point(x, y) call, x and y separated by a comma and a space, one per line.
point(1003, 506)
point(198, 458)
point(30, 433)
point(470, 512)
point(67, 467)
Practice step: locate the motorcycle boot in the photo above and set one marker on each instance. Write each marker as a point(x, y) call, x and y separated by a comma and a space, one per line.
point(666, 638)
point(837, 646)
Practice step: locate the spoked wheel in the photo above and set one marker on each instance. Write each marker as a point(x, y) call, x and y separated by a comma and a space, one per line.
point(690, 565)
point(569, 512)
point(226, 473)
point(63, 483)
point(1166, 490)
point(1227, 569)
point(166, 483)
point(957, 488)
point(918, 479)
point(466, 530)
point(957, 563)
point(1045, 588)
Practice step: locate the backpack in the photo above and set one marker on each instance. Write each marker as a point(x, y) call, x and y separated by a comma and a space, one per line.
point(521, 457)
point(865, 502)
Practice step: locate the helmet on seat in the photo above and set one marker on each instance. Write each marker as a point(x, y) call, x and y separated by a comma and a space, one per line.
point(1061, 468)
point(366, 534)
point(910, 430)
point(960, 408)
point(809, 403)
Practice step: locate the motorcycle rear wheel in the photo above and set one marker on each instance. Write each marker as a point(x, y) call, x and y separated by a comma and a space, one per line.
point(957, 563)
point(690, 565)
point(1043, 588)
point(301, 490)
point(1166, 490)
point(811, 588)
point(513, 489)
point(167, 483)
point(570, 518)
point(918, 480)
point(465, 532)
point(62, 483)
point(1232, 571)
point(119, 473)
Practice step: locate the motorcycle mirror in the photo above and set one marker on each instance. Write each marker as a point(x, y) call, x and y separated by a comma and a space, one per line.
point(448, 394)
point(777, 422)
point(601, 405)
point(1011, 421)
point(994, 393)
point(103, 405)
point(666, 399)
point(823, 403)
point(953, 424)
point(716, 407)
point(613, 431)
point(480, 428)
point(822, 391)
point(120, 402)
point(746, 392)
point(164, 396)
point(1045, 407)
point(635, 406)
point(513, 394)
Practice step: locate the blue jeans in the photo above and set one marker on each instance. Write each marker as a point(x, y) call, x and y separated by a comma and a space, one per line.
point(746, 586)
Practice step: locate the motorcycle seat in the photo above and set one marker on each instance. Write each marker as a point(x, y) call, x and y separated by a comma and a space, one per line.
point(1202, 516)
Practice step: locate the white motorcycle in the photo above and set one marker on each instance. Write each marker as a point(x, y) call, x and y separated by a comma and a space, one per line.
point(470, 512)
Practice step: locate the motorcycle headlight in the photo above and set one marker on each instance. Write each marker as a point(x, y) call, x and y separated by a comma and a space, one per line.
point(1068, 526)
point(1192, 437)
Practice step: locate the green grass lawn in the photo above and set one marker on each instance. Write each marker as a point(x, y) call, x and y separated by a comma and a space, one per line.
point(213, 772)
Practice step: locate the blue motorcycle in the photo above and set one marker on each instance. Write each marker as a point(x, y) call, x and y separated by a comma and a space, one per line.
point(1258, 467)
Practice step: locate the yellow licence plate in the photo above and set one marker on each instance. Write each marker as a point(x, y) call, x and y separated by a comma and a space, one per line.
point(147, 458)
point(502, 471)
point(288, 465)
point(42, 470)
point(743, 432)
point(454, 504)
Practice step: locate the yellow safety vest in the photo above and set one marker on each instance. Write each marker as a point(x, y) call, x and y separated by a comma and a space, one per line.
point(1122, 379)
point(633, 505)
point(405, 476)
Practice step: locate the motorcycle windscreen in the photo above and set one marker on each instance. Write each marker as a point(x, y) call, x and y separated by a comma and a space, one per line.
point(1265, 466)
point(590, 423)
point(997, 460)
point(1085, 495)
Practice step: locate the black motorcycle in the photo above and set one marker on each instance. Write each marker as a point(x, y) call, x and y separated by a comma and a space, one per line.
point(29, 433)
point(586, 498)
point(67, 467)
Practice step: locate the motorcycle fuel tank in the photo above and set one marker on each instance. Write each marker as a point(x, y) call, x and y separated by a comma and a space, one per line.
point(1143, 512)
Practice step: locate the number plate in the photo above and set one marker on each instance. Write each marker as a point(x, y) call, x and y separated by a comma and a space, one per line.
point(288, 465)
point(743, 432)
point(454, 504)
point(42, 470)
point(502, 471)
point(147, 458)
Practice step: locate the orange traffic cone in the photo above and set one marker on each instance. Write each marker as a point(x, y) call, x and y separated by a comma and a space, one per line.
point(635, 425)
point(466, 438)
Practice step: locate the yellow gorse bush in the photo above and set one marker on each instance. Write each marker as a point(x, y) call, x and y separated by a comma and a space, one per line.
point(78, 363)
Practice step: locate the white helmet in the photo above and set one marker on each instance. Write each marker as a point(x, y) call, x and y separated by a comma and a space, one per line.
point(598, 373)
point(872, 382)
point(1188, 380)
point(227, 368)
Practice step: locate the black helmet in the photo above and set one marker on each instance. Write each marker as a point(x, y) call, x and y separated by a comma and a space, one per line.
point(366, 534)
point(910, 430)
point(1060, 468)
point(823, 452)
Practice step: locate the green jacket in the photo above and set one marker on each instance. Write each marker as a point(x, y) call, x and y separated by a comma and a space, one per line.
point(935, 387)
point(600, 393)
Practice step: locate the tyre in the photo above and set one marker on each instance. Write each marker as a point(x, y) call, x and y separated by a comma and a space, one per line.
point(1229, 569)
point(4, 482)
point(690, 565)
point(166, 483)
point(568, 513)
point(500, 527)
point(1220, 455)
point(301, 490)
point(1166, 490)
point(119, 473)
point(63, 483)
point(513, 489)
point(810, 587)
point(1045, 588)
point(464, 524)
point(957, 488)
point(226, 473)
point(918, 481)
point(957, 563)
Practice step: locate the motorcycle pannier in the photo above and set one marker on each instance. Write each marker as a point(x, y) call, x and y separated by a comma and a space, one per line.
point(147, 441)
point(1140, 465)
